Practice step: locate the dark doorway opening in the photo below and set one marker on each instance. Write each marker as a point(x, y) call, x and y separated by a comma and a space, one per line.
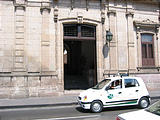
point(80, 69)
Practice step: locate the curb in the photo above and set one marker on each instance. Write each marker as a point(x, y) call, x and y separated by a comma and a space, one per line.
point(40, 105)
point(50, 105)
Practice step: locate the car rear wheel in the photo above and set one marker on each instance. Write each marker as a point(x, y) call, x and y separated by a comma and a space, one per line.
point(143, 103)
point(96, 106)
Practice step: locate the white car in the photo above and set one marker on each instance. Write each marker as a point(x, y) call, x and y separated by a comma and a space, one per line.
point(115, 91)
point(151, 113)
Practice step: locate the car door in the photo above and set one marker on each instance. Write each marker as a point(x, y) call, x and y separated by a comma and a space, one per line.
point(113, 96)
point(131, 90)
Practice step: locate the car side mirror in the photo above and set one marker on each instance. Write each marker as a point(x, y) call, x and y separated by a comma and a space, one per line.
point(107, 88)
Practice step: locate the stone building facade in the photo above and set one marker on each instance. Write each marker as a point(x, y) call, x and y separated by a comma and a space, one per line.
point(50, 46)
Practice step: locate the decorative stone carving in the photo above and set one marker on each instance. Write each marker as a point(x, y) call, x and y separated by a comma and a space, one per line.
point(20, 7)
point(102, 17)
point(45, 9)
point(55, 14)
point(130, 14)
point(45, 6)
point(20, 1)
point(20, 4)
point(72, 2)
point(111, 12)
point(80, 17)
point(147, 23)
point(87, 5)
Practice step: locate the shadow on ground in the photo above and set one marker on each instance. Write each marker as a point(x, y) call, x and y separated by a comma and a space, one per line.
point(107, 109)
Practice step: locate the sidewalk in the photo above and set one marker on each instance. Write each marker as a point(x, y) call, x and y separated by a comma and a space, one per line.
point(38, 101)
point(49, 101)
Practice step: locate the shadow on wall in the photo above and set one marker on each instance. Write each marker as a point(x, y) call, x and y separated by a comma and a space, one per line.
point(105, 50)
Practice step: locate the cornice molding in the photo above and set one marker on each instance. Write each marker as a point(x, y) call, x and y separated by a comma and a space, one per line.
point(146, 23)
point(111, 12)
point(129, 13)
point(45, 9)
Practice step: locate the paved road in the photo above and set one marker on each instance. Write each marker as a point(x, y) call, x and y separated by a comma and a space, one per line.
point(61, 113)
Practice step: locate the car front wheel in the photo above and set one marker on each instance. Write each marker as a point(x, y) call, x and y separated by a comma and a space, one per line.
point(143, 103)
point(96, 106)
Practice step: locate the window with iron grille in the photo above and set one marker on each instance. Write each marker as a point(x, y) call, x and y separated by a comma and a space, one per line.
point(70, 30)
point(87, 31)
point(79, 31)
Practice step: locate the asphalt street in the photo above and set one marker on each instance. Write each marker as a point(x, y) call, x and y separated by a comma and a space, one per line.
point(73, 112)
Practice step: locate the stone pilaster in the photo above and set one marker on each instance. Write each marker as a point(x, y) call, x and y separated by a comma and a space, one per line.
point(158, 46)
point(45, 39)
point(131, 43)
point(113, 44)
point(19, 49)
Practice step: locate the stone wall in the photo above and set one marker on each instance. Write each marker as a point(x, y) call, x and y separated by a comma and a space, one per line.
point(6, 35)
point(152, 81)
point(31, 42)
point(29, 86)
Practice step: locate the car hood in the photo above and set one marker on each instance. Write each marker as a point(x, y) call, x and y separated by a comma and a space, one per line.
point(139, 115)
point(89, 92)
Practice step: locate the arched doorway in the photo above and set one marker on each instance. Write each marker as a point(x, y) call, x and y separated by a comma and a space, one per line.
point(80, 69)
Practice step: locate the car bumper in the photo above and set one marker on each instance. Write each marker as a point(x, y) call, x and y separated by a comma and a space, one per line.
point(84, 105)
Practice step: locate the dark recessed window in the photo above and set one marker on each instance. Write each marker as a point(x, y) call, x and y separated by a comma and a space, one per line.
point(70, 30)
point(79, 31)
point(147, 50)
point(87, 31)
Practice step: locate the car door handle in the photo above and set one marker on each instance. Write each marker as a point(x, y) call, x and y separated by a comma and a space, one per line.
point(137, 90)
point(119, 92)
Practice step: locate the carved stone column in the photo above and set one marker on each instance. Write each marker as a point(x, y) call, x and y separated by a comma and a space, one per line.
point(131, 43)
point(45, 39)
point(113, 44)
point(19, 49)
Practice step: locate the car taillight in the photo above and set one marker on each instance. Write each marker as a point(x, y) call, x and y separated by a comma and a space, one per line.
point(117, 118)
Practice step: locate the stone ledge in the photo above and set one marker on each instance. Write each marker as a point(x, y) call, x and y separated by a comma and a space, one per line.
point(27, 75)
point(148, 70)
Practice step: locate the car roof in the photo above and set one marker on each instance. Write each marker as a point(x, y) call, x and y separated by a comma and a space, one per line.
point(118, 77)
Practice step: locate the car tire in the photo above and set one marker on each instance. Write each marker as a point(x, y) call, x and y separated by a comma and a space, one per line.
point(143, 102)
point(96, 106)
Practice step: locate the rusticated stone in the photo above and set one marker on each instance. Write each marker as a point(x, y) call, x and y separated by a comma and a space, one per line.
point(5, 82)
point(33, 82)
point(48, 81)
point(4, 92)
point(18, 92)
point(48, 91)
point(19, 82)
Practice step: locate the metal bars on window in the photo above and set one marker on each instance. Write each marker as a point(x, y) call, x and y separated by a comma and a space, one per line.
point(79, 31)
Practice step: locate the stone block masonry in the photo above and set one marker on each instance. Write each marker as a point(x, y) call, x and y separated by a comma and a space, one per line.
point(32, 42)
point(28, 86)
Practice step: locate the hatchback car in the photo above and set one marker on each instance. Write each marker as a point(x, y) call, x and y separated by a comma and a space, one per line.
point(150, 113)
point(115, 91)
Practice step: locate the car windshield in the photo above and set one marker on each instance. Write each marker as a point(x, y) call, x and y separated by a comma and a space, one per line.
point(101, 84)
point(155, 108)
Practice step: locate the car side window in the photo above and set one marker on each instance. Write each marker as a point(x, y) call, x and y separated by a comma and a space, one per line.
point(130, 83)
point(117, 84)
